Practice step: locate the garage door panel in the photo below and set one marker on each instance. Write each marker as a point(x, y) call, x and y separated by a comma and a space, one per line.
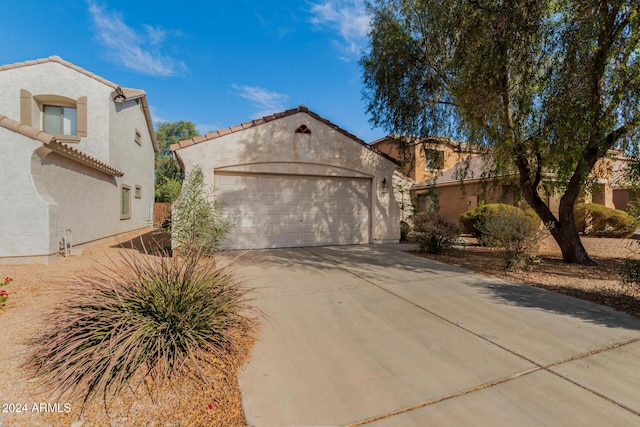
point(284, 211)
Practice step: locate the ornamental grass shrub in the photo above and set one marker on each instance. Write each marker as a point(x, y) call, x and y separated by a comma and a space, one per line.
point(600, 221)
point(515, 233)
point(147, 317)
point(434, 233)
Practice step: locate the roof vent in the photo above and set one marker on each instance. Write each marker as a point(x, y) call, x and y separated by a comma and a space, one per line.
point(303, 129)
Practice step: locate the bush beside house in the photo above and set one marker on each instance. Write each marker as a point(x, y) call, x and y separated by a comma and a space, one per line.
point(434, 233)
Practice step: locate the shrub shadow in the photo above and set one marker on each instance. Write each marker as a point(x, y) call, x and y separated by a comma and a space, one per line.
point(150, 242)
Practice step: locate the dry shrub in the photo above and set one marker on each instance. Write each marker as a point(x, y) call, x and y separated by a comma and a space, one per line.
point(473, 220)
point(434, 233)
point(146, 317)
point(515, 233)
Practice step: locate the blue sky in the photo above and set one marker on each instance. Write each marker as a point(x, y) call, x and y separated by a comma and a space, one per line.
point(217, 63)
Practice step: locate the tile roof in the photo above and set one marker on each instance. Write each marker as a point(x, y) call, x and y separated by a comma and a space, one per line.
point(455, 145)
point(301, 109)
point(475, 168)
point(119, 92)
point(59, 147)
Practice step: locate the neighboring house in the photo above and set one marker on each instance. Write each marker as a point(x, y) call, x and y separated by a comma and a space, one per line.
point(77, 155)
point(458, 178)
point(296, 179)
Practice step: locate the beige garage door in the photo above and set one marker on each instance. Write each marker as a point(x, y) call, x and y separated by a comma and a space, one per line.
point(277, 211)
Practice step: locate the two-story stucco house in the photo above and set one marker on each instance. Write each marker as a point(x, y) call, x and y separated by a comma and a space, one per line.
point(77, 159)
point(461, 178)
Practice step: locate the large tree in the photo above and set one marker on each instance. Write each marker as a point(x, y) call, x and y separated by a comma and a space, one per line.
point(547, 86)
point(168, 175)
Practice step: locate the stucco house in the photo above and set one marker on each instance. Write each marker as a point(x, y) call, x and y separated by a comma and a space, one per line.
point(77, 155)
point(296, 179)
point(460, 177)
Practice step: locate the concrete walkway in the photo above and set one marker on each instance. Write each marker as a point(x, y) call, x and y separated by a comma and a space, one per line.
point(371, 335)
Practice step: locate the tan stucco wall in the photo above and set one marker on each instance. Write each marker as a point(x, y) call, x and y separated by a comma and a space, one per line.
point(454, 200)
point(24, 216)
point(274, 147)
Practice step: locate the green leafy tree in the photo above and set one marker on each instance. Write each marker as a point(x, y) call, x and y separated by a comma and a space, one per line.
point(544, 87)
point(169, 175)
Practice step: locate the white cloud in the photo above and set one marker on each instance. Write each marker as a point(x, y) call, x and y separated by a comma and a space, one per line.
point(265, 101)
point(349, 19)
point(140, 51)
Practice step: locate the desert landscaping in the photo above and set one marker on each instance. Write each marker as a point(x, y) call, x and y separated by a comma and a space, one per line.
point(34, 292)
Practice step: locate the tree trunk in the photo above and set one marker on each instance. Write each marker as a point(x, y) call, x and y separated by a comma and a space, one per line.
point(563, 228)
point(568, 239)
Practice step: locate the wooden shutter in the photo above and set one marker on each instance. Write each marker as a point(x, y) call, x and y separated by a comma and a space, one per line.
point(25, 107)
point(81, 105)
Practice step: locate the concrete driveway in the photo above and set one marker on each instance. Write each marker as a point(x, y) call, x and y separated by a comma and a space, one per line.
point(370, 335)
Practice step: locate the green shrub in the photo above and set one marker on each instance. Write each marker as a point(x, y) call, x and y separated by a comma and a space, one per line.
point(630, 272)
point(148, 316)
point(515, 233)
point(434, 233)
point(198, 224)
point(472, 221)
point(598, 220)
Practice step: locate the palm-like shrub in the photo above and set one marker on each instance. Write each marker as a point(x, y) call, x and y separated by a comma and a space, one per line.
point(434, 233)
point(145, 317)
point(198, 224)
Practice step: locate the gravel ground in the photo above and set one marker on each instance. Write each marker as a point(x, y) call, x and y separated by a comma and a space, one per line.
point(35, 291)
point(599, 284)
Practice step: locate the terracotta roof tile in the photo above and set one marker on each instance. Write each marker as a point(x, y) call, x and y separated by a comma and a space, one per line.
point(290, 112)
point(198, 139)
point(135, 93)
point(52, 143)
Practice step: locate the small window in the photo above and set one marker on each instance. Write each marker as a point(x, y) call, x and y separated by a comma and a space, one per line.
point(60, 120)
point(125, 202)
point(138, 137)
point(434, 159)
point(138, 192)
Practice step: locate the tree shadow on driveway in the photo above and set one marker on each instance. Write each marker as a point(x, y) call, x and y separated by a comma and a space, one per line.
point(542, 299)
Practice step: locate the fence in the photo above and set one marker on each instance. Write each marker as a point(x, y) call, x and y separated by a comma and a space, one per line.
point(162, 212)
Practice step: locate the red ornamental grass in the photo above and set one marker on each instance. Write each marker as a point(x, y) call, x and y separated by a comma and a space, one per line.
point(4, 293)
